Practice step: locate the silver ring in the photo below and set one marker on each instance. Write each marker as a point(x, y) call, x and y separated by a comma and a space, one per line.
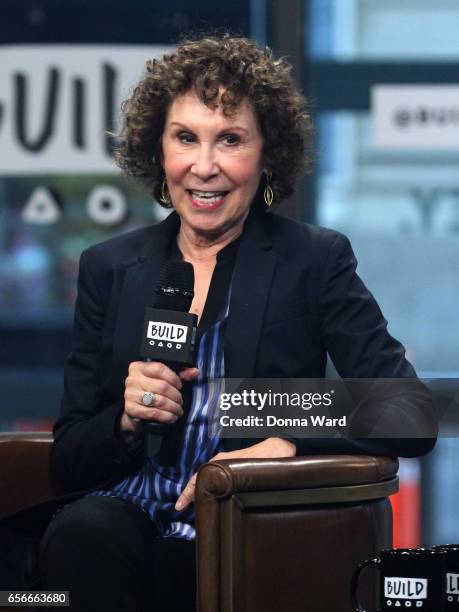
point(148, 398)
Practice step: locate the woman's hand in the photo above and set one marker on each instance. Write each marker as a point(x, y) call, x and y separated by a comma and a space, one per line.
point(271, 448)
point(164, 383)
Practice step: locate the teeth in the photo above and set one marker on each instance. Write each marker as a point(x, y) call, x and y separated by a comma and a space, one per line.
point(207, 194)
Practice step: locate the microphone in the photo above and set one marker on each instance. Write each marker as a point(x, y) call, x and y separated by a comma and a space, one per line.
point(169, 331)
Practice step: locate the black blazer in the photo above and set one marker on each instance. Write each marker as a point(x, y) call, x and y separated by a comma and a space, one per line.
point(295, 297)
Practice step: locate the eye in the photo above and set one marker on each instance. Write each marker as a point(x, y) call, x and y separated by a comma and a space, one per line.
point(186, 137)
point(231, 139)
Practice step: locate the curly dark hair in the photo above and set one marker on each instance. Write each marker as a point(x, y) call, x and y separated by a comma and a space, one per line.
point(245, 71)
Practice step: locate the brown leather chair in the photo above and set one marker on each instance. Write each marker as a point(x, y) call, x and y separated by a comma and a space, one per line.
point(279, 535)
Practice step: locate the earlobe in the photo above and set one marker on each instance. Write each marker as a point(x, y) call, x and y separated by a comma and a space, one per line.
point(158, 159)
point(160, 155)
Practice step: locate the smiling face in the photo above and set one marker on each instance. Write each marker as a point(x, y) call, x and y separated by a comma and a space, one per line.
point(212, 164)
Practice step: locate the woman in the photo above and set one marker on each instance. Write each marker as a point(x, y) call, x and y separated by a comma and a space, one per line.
point(218, 131)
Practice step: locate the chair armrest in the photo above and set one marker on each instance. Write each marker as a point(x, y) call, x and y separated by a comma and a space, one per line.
point(226, 477)
point(227, 488)
point(24, 470)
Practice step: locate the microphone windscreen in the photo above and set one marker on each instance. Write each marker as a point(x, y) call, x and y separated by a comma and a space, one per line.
point(175, 288)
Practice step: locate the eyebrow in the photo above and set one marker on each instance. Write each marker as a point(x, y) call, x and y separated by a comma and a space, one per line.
point(231, 128)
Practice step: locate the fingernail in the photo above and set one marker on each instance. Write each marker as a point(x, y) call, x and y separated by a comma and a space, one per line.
point(179, 506)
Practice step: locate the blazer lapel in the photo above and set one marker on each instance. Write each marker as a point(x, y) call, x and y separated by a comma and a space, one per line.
point(138, 289)
point(252, 278)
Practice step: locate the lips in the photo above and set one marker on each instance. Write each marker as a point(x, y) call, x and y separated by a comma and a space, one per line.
point(207, 199)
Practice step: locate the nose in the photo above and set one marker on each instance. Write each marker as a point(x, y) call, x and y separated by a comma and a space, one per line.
point(205, 164)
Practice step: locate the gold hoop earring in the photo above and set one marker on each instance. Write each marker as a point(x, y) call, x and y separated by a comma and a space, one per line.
point(165, 196)
point(268, 193)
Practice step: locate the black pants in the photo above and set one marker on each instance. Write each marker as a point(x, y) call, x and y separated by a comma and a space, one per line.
point(106, 552)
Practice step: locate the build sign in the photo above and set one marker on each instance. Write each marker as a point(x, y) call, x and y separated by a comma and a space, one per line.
point(416, 117)
point(58, 101)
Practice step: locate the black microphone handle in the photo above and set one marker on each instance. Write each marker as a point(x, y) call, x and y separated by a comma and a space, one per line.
point(153, 441)
point(155, 432)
